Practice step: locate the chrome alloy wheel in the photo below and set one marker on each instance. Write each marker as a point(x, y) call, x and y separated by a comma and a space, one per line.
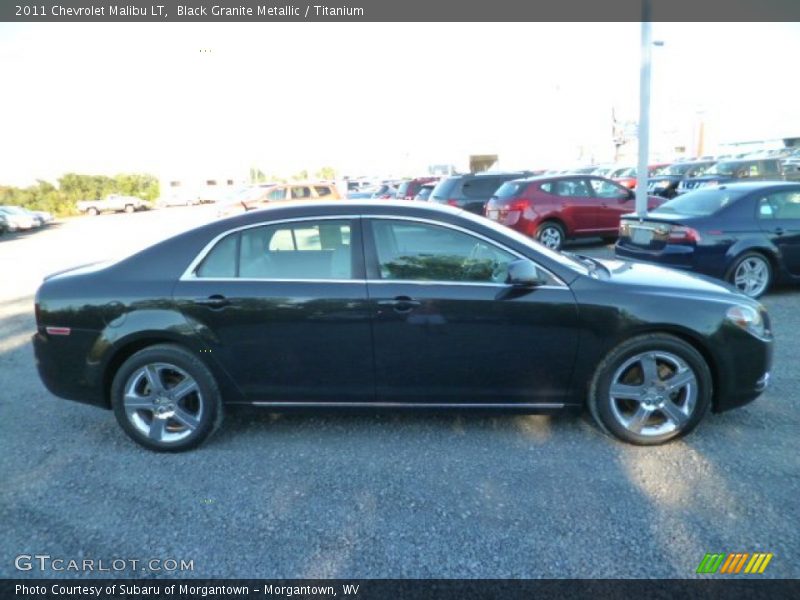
point(551, 237)
point(163, 402)
point(653, 393)
point(752, 276)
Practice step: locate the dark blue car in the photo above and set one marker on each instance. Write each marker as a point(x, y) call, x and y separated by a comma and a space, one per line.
point(745, 233)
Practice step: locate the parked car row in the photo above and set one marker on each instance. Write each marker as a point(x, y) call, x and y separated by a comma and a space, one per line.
point(16, 218)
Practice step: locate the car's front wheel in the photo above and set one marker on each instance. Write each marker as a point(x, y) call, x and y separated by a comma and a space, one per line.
point(651, 389)
point(166, 399)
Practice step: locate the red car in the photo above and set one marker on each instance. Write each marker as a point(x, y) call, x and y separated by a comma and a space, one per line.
point(555, 209)
point(411, 187)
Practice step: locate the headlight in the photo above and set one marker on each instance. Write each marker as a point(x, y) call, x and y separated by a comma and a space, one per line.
point(748, 318)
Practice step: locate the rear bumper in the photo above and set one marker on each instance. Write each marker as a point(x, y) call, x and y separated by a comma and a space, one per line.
point(63, 370)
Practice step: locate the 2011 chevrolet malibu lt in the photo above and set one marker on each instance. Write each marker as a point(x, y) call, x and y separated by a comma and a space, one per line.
point(392, 305)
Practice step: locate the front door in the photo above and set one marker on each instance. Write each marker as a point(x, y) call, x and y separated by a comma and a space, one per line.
point(283, 309)
point(615, 201)
point(779, 219)
point(448, 330)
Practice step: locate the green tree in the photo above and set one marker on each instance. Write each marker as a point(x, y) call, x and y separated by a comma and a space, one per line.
point(326, 173)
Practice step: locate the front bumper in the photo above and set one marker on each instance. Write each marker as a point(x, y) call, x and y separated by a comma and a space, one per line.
point(744, 367)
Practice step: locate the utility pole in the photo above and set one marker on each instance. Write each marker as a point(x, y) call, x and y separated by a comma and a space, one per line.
point(644, 113)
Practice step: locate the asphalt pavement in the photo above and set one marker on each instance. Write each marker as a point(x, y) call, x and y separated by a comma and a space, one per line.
point(384, 495)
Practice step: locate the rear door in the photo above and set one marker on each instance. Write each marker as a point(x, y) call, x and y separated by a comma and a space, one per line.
point(283, 309)
point(779, 218)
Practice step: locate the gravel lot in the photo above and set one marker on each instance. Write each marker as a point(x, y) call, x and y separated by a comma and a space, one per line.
point(389, 495)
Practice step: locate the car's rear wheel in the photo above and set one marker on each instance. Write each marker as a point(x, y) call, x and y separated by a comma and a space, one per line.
point(751, 274)
point(93, 212)
point(550, 234)
point(651, 389)
point(166, 399)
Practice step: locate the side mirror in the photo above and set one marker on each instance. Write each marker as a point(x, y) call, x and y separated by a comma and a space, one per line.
point(523, 273)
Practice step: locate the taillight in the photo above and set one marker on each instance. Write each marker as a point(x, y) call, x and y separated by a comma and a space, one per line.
point(681, 234)
point(452, 202)
point(519, 204)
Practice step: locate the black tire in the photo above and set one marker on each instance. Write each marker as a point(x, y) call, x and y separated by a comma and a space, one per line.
point(693, 401)
point(129, 208)
point(610, 239)
point(751, 258)
point(187, 420)
point(551, 234)
point(92, 211)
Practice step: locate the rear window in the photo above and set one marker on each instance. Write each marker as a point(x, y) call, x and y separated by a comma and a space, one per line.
point(444, 188)
point(509, 189)
point(403, 188)
point(481, 187)
point(700, 203)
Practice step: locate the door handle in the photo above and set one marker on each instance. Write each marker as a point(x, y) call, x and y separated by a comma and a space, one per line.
point(215, 301)
point(401, 303)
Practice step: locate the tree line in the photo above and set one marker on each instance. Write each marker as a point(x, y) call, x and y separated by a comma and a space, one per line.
point(61, 199)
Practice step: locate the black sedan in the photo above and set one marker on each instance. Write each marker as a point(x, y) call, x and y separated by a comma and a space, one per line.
point(665, 184)
point(745, 233)
point(392, 305)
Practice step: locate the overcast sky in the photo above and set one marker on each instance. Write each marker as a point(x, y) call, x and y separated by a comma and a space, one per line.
point(370, 98)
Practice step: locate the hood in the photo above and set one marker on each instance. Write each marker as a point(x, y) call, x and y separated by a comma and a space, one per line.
point(662, 279)
point(710, 178)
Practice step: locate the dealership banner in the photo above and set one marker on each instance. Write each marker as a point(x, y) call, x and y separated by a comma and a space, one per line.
point(399, 589)
point(191, 11)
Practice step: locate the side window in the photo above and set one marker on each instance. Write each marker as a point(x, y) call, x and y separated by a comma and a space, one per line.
point(410, 251)
point(606, 189)
point(573, 188)
point(300, 250)
point(782, 205)
point(221, 261)
point(301, 192)
point(770, 168)
point(322, 190)
point(547, 187)
point(278, 194)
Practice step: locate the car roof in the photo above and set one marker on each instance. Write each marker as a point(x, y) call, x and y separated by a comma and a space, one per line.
point(753, 186)
point(559, 177)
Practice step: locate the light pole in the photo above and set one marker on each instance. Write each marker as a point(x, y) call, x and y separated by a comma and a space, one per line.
point(644, 113)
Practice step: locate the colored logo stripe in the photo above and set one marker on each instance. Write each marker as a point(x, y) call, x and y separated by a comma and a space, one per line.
point(734, 562)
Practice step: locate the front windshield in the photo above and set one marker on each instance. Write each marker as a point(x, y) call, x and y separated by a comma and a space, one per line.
point(700, 203)
point(678, 169)
point(723, 168)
